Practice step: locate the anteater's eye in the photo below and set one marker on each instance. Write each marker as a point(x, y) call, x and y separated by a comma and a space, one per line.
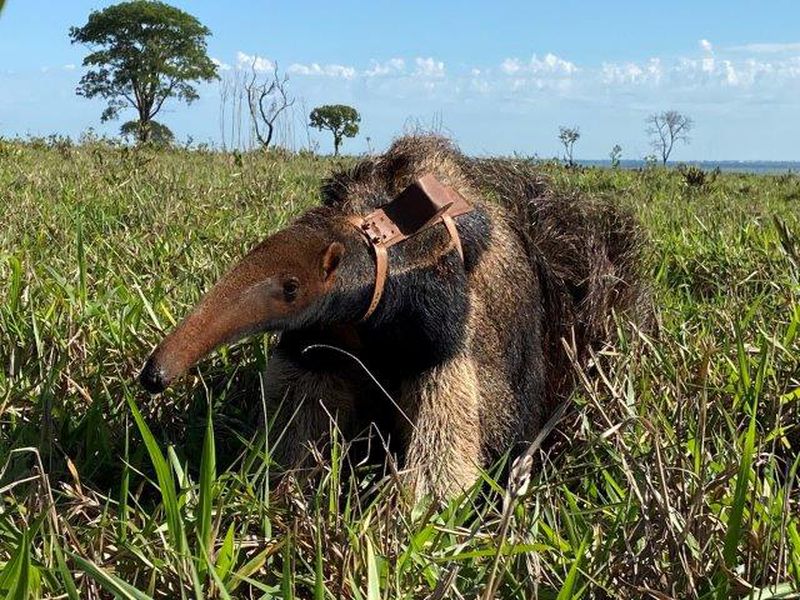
point(290, 287)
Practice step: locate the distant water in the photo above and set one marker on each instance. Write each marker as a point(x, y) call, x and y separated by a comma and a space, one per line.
point(730, 166)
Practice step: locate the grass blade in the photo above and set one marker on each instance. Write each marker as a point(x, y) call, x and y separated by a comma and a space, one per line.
point(166, 482)
point(567, 591)
point(124, 487)
point(16, 577)
point(794, 554)
point(66, 575)
point(208, 473)
point(225, 557)
point(109, 582)
point(319, 576)
point(250, 567)
point(223, 592)
point(81, 264)
point(733, 534)
point(14, 283)
point(734, 531)
point(287, 573)
point(373, 582)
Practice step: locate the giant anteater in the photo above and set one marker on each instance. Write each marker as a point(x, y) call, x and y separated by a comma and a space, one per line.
point(466, 341)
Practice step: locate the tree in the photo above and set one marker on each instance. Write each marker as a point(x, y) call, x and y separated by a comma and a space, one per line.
point(341, 120)
point(615, 155)
point(143, 53)
point(568, 137)
point(667, 128)
point(266, 101)
point(157, 133)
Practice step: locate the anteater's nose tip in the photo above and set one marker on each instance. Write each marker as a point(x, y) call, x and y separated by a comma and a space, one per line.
point(153, 378)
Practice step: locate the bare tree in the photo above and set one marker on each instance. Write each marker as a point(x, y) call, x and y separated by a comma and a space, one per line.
point(568, 137)
point(267, 100)
point(667, 128)
point(232, 98)
point(311, 144)
point(224, 95)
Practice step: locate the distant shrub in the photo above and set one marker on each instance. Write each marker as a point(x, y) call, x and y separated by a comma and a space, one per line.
point(280, 153)
point(203, 148)
point(62, 143)
point(696, 178)
point(8, 149)
point(650, 161)
point(157, 134)
point(89, 138)
point(307, 153)
point(693, 176)
point(793, 194)
point(237, 159)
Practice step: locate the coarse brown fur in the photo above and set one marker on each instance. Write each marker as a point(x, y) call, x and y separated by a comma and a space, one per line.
point(470, 352)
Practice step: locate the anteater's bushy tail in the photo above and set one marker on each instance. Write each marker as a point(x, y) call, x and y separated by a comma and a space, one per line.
point(587, 252)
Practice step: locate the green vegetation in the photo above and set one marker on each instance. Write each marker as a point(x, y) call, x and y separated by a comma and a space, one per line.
point(673, 475)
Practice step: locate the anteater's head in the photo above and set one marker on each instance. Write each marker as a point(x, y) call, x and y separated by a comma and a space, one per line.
point(318, 271)
point(283, 283)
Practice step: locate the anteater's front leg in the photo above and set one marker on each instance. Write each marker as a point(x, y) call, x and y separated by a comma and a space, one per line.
point(443, 447)
point(301, 404)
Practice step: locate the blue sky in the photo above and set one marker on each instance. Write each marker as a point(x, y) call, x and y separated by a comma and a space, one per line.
point(499, 77)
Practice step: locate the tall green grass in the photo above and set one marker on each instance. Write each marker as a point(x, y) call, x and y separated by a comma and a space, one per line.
point(673, 474)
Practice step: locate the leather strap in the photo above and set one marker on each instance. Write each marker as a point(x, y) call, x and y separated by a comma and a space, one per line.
point(421, 205)
point(451, 229)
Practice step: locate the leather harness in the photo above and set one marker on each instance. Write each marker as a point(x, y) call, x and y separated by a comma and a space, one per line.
point(423, 204)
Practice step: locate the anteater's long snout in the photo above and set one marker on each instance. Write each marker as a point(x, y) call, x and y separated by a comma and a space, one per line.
point(153, 378)
point(238, 305)
point(277, 281)
point(218, 319)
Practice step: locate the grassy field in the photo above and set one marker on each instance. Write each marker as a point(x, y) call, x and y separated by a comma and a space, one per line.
point(673, 475)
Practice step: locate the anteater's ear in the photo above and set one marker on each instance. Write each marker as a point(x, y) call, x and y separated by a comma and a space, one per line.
point(331, 258)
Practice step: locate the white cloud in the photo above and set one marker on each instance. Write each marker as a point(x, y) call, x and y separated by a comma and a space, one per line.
point(632, 73)
point(753, 72)
point(393, 66)
point(550, 65)
point(549, 73)
point(253, 61)
point(429, 67)
point(510, 66)
point(479, 81)
point(315, 69)
point(704, 72)
point(769, 48)
point(731, 76)
point(553, 64)
point(707, 71)
point(69, 67)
